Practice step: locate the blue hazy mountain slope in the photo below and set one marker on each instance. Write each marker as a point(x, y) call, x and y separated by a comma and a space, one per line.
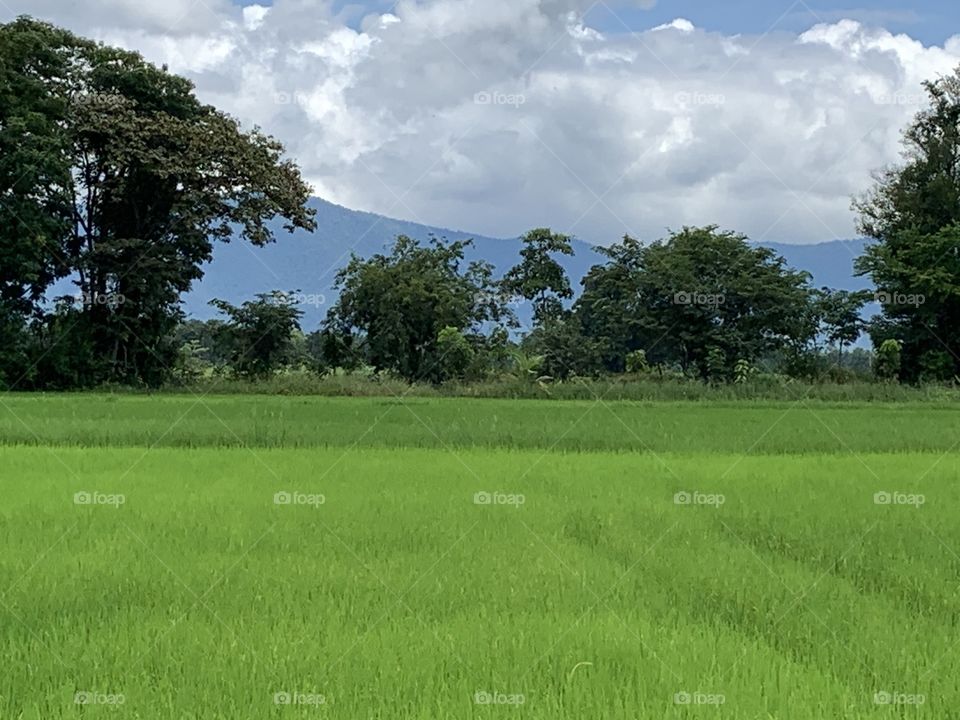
point(309, 262)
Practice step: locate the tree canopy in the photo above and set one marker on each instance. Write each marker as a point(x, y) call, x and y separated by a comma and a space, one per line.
point(401, 302)
point(113, 173)
point(697, 292)
point(913, 215)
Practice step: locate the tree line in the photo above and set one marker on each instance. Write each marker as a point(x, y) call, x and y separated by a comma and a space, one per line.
point(115, 176)
point(701, 304)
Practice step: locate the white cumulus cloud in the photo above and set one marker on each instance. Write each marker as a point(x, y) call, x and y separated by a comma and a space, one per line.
point(500, 115)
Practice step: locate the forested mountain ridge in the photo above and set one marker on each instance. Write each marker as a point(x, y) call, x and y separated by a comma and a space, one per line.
point(309, 262)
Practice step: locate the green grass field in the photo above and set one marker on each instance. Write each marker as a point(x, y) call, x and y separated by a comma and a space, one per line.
point(248, 557)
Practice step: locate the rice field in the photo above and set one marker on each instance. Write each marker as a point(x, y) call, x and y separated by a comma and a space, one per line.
point(248, 557)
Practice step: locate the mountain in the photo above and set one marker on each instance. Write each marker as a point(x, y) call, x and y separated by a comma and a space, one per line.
point(308, 262)
point(830, 263)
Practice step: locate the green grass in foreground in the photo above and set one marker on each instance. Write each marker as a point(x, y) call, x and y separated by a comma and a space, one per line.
point(258, 421)
point(782, 588)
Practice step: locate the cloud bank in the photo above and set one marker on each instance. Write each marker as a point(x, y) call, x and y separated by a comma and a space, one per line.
point(501, 115)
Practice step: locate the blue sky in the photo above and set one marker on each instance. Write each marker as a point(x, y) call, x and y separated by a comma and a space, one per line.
point(930, 21)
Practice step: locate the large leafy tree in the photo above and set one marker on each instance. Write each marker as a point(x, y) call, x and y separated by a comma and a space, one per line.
point(714, 295)
point(34, 149)
point(34, 204)
point(124, 180)
point(400, 303)
point(258, 337)
point(610, 309)
point(701, 299)
point(913, 214)
point(841, 317)
point(539, 277)
point(563, 349)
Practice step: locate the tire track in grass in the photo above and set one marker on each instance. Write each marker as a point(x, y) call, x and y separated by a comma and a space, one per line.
point(800, 639)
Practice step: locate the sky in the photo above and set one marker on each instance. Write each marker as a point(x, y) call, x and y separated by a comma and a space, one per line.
point(930, 21)
point(596, 118)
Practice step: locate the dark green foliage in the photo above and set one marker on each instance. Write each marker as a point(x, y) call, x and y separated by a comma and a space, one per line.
point(888, 361)
point(563, 350)
point(913, 214)
point(258, 337)
point(401, 302)
point(204, 337)
point(539, 277)
point(637, 362)
point(314, 353)
point(63, 350)
point(692, 299)
point(717, 365)
point(35, 147)
point(455, 353)
point(16, 370)
point(840, 313)
point(112, 171)
point(611, 310)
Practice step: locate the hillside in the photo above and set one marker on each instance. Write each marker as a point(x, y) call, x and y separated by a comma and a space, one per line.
point(309, 262)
